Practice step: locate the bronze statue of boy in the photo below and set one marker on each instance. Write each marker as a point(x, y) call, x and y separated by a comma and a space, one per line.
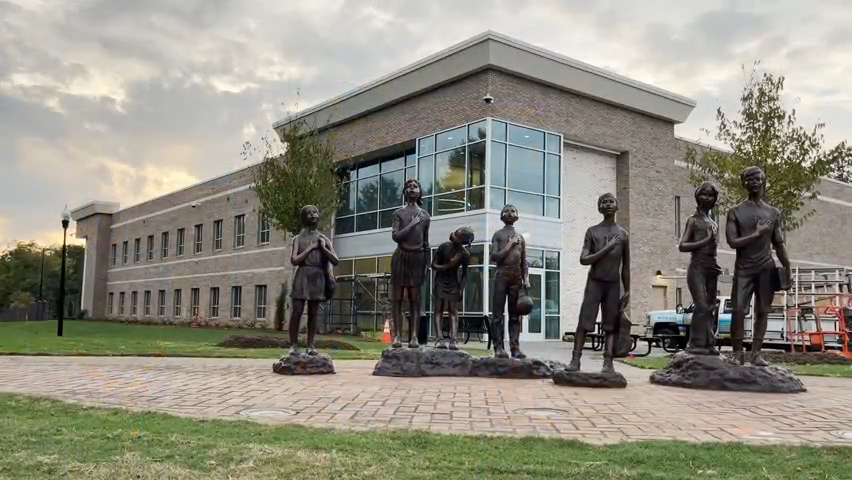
point(410, 260)
point(311, 254)
point(509, 253)
point(752, 228)
point(702, 276)
point(450, 266)
point(606, 248)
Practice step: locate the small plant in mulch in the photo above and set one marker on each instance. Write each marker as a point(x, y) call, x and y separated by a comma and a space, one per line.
point(267, 341)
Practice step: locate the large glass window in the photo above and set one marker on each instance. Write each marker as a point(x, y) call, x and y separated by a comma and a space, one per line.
point(525, 169)
point(372, 191)
point(548, 260)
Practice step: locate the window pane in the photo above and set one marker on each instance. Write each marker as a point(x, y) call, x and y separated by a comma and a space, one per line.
point(498, 164)
point(526, 203)
point(410, 172)
point(427, 146)
point(498, 130)
point(473, 290)
point(535, 258)
point(449, 203)
point(426, 166)
point(449, 170)
point(391, 186)
point(476, 164)
point(553, 143)
point(392, 164)
point(477, 255)
point(477, 131)
point(551, 327)
point(551, 207)
point(365, 265)
point(367, 221)
point(525, 170)
point(526, 137)
point(386, 218)
point(551, 260)
point(384, 264)
point(343, 268)
point(368, 170)
point(427, 205)
point(344, 225)
point(476, 199)
point(368, 195)
point(450, 139)
point(410, 160)
point(534, 318)
point(551, 293)
point(551, 175)
point(498, 199)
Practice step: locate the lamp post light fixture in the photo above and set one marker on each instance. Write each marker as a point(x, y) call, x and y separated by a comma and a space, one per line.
point(66, 219)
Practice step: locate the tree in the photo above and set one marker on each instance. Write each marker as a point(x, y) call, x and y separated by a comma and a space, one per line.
point(297, 170)
point(20, 272)
point(767, 135)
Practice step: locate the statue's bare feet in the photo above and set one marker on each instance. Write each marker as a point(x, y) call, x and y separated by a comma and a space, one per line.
point(454, 344)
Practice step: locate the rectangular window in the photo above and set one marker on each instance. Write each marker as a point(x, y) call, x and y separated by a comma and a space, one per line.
point(677, 216)
point(260, 302)
point(113, 253)
point(218, 228)
point(147, 302)
point(124, 253)
point(194, 300)
point(263, 230)
point(199, 238)
point(164, 245)
point(679, 296)
point(178, 300)
point(181, 239)
point(121, 303)
point(109, 302)
point(161, 303)
point(137, 250)
point(239, 231)
point(150, 247)
point(236, 302)
point(214, 302)
point(134, 303)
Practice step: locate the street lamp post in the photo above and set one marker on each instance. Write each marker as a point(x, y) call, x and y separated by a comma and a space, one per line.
point(66, 219)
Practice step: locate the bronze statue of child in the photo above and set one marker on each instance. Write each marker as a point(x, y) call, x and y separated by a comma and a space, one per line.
point(509, 253)
point(450, 264)
point(311, 254)
point(702, 276)
point(410, 260)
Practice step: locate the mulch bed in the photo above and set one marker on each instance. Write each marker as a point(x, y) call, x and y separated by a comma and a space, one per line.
point(266, 341)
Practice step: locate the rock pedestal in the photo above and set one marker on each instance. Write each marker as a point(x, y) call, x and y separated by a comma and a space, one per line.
point(433, 362)
point(710, 372)
point(567, 378)
point(303, 364)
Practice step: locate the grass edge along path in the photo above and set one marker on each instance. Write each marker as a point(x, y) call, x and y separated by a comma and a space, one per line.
point(41, 438)
point(112, 338)
point(824, 370)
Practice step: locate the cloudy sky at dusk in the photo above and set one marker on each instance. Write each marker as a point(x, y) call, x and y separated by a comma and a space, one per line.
point(125, 100)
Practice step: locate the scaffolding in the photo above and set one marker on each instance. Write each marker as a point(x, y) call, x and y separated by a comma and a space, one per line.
point(361, 302)
point(819, 310)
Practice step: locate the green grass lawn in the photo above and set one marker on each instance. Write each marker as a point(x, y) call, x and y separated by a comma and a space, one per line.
point(81, 337)
point(50, 439)
point(655, 363)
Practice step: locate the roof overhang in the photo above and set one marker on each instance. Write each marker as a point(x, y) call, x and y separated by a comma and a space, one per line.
point(491, 50)
point(94, 208)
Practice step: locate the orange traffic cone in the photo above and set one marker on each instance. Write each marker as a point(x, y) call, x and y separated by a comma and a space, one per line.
point(386, 336)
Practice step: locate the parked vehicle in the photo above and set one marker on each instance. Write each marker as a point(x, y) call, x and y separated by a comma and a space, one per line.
point(673, 326)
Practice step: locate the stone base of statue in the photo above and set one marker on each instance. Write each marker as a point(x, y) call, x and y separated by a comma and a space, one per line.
point(712, 372)
point(304, 364)
point(434, 362)
point(568, 378)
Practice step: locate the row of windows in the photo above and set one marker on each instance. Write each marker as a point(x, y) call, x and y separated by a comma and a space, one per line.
point(264, 231)
point(213, 309)
point(525, 170)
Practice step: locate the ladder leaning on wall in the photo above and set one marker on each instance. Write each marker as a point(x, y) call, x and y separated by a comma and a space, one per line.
point(819, 298)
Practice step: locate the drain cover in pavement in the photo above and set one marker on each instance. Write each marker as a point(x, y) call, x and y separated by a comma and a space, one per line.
point(540, 412)
point(842, 434)
point(268, 413)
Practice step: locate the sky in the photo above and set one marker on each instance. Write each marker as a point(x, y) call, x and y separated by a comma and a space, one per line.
point(124, 100)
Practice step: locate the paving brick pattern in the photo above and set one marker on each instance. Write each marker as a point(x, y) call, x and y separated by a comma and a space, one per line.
point(353, 398)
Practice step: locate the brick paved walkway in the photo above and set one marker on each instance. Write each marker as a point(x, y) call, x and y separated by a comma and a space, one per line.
point(353, 398)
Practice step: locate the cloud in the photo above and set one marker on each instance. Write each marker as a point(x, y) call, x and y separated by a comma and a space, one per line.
point(121, 100)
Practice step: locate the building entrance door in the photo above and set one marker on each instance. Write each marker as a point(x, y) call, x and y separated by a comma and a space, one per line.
point(532, 329)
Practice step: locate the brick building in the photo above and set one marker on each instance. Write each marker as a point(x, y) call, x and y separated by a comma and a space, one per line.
point(556, 134)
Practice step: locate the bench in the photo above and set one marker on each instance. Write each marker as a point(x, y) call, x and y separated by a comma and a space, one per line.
point(475, 324)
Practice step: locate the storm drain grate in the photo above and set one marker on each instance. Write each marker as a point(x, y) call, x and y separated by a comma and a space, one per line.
point(540, 412)
point(268, 412)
